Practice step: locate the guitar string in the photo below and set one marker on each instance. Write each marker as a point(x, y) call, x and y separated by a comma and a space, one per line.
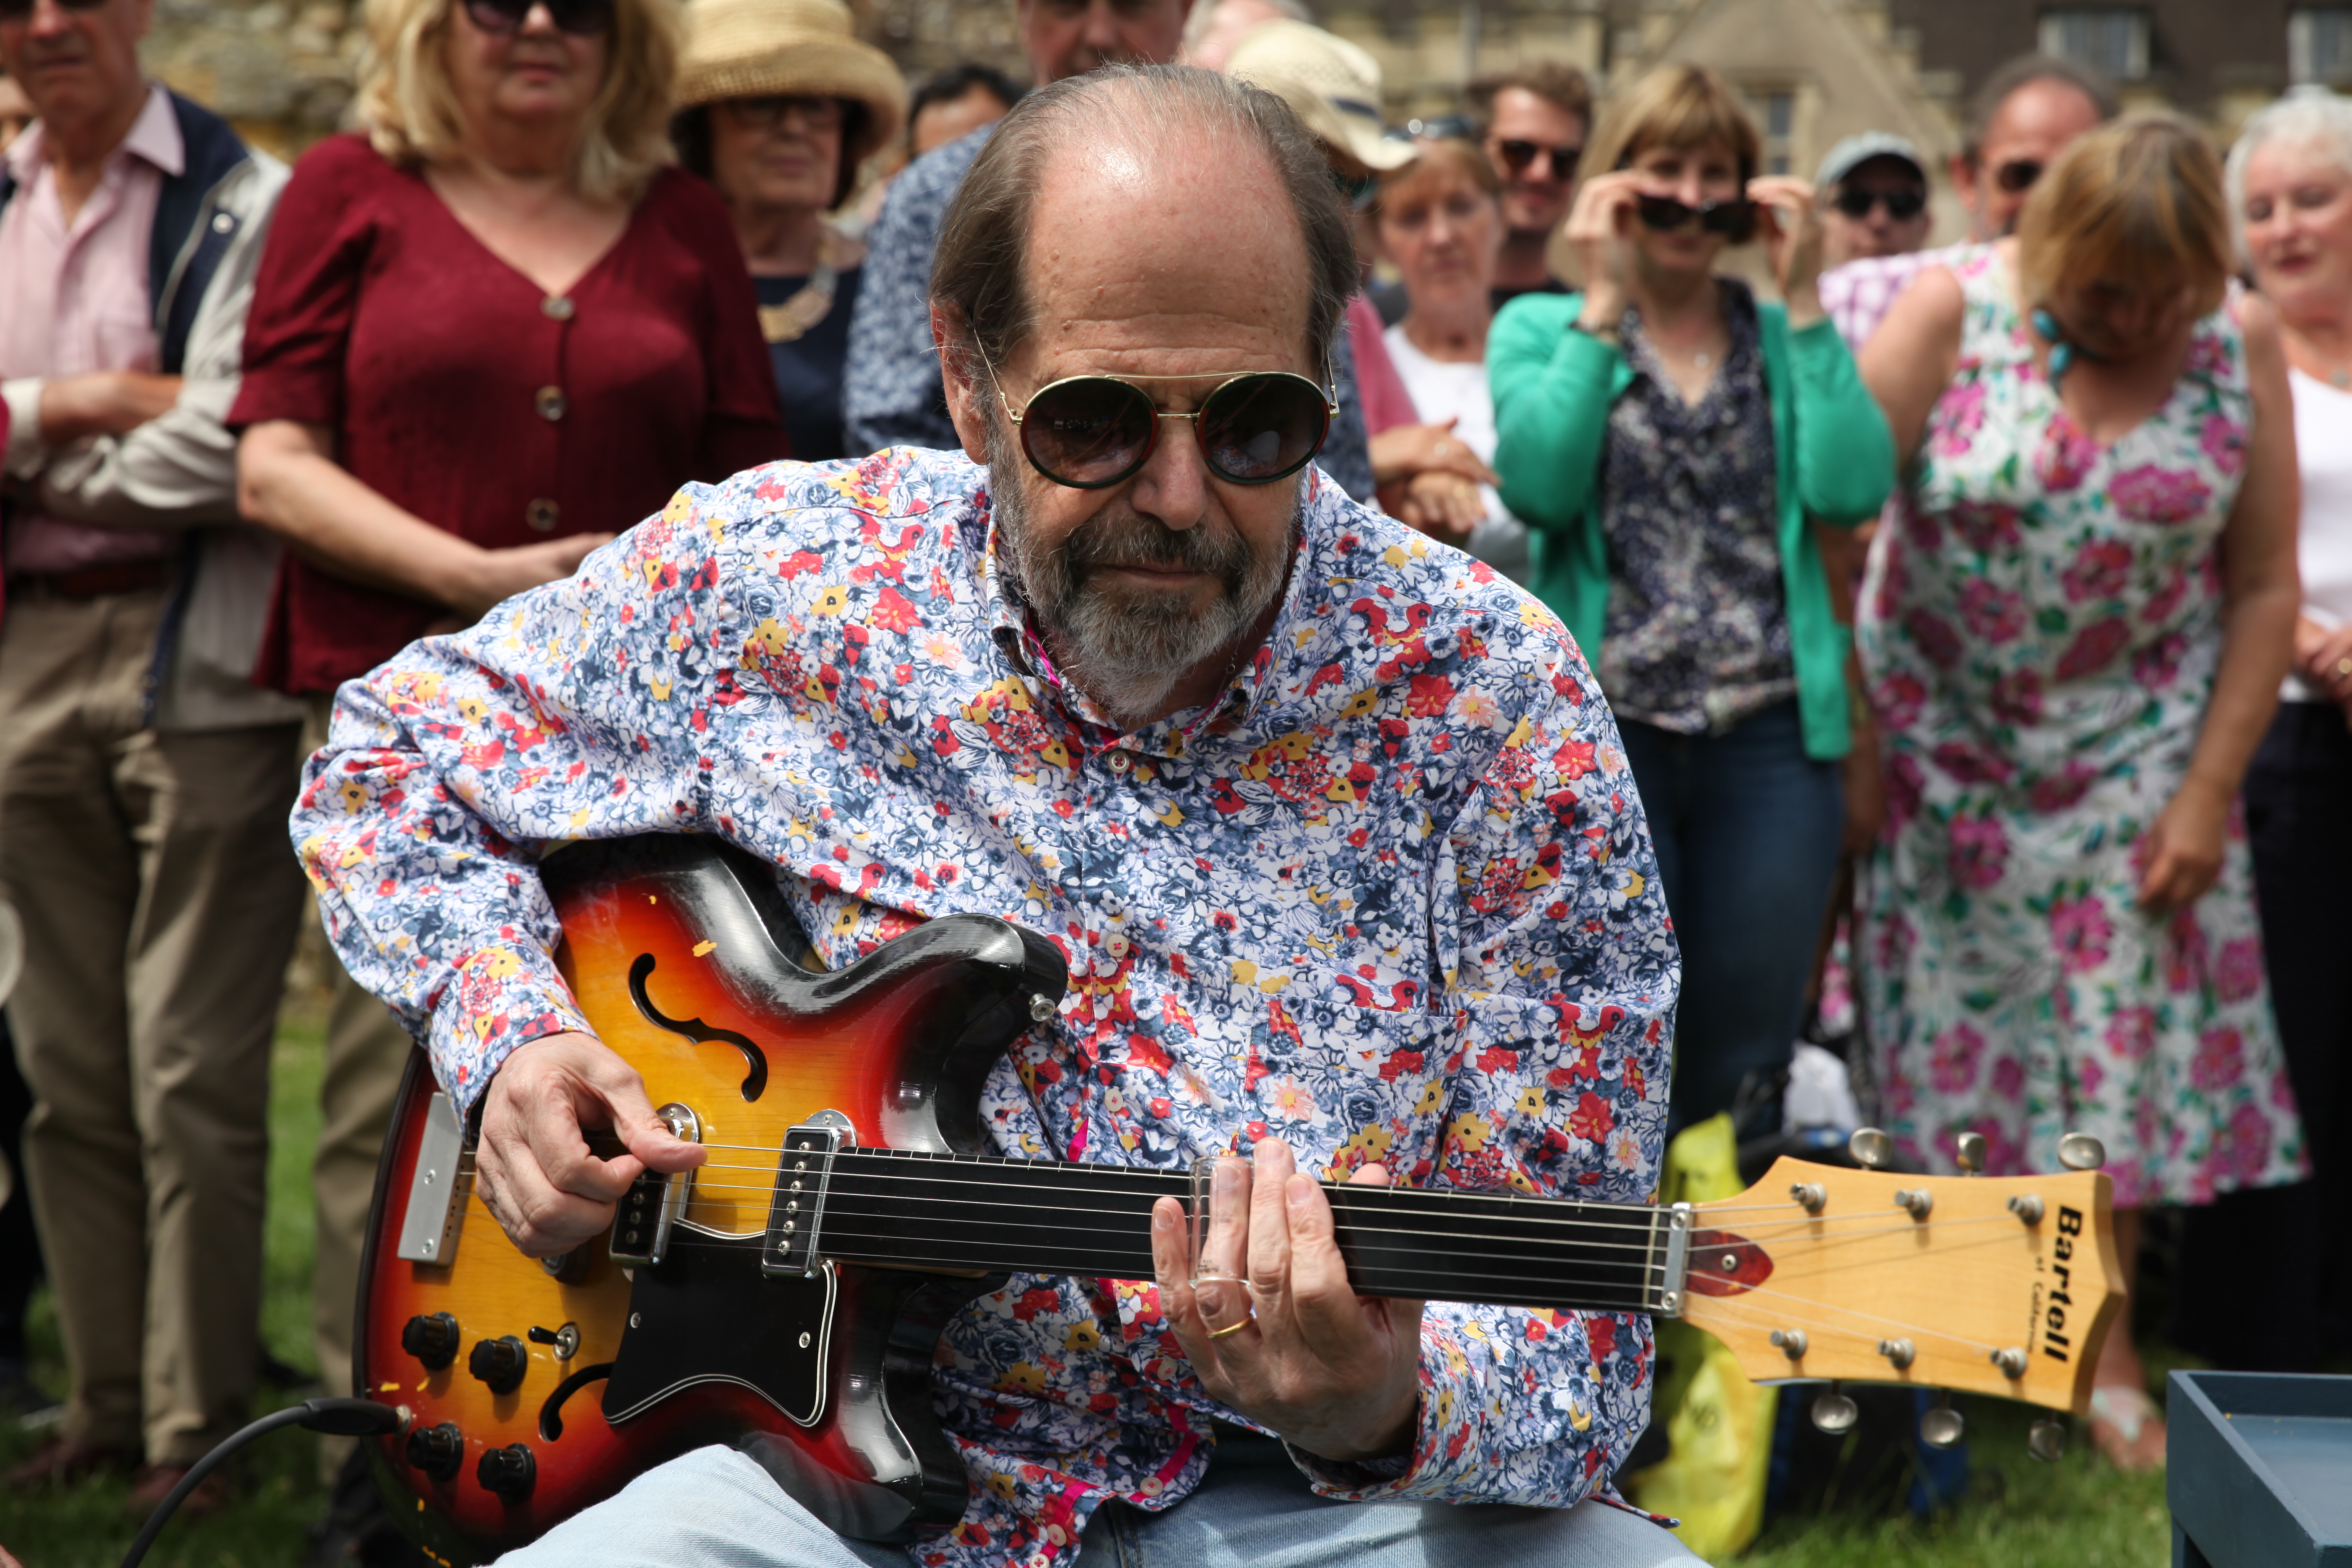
point(1743, 1303)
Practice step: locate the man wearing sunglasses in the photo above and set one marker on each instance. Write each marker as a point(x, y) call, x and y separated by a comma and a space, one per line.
point(1330, 824)
point(1535, 121)
point(1876, 189)
point(142, 776)
point(2021, 117)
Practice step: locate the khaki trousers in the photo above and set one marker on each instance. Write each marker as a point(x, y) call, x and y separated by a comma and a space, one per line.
point(367, 1050)
point(159, 897)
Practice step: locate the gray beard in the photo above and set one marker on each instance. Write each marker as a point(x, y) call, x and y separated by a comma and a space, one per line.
point(1128, 648)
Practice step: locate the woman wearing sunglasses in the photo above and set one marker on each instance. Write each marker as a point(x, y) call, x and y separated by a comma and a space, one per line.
point(1665, 435)
point(489, 332)
point(778, 104)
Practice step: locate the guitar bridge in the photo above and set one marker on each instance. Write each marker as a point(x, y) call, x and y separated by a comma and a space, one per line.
point(649, 1209)
point(797, 1210)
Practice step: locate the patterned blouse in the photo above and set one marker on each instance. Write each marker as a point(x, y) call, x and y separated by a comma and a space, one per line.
point(1391, 898)
point(1697, 634)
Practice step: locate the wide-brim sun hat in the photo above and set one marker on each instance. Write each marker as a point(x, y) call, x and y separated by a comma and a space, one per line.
point(1334, 86)
point(760, 49)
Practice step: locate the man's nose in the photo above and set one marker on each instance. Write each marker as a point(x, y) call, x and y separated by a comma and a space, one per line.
point(1173, 486)
point(49, 19)
point(1102, 28)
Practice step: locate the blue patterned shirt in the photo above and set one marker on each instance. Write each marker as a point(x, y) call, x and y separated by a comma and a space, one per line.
point(890, 393)
point(1391, 898)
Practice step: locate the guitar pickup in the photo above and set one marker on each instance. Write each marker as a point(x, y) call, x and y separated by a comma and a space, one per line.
point(798, 1208)
point(649, 1209)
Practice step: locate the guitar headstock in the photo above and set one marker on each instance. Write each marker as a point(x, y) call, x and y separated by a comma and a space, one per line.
point(2004, 1286)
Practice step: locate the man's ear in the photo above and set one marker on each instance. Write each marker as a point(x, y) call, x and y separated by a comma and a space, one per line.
point(1964, 180)
point(967, 399)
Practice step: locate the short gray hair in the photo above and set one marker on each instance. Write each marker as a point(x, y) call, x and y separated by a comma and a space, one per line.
point(2307, 117)
point(980, 273)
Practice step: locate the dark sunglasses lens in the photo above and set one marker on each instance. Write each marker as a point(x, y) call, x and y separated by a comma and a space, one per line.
point(582, 19)
point(1736, 219)
point(2018, 176)
point(1516, 156)
point(1661, 213)
point(1564, 161)
point(1256, 429)
point(498, 16)
point(1088, 433)
point(1904, 206)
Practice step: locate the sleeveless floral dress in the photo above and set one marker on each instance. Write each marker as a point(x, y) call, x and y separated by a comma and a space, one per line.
point(2039, 629)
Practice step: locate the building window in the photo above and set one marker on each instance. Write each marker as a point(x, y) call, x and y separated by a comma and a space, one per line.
point(2111, 39)
point(2319, 43)
point(1780, 126)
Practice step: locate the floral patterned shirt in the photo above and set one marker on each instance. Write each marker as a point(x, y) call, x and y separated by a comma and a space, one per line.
point(1697, 633)
point(1390, 897)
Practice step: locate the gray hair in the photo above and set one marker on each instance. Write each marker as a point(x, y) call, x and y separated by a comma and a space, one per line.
point(981, 271)
point(2307, 117)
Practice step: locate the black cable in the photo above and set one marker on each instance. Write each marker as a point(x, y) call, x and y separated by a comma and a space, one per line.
point(343, 1417)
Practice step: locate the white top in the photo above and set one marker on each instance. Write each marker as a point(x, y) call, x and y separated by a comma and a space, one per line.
point(1456, 390)
point(2323, 443)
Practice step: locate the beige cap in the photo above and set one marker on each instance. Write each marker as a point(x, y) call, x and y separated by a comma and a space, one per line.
point(1333, 84)
point(760, 49)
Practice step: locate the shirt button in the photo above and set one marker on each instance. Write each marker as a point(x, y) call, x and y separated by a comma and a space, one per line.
point(541, 515)
point(549, 402)
point(223, 223)
point(556, 307)
point(1119, 762)
point(1117, 946)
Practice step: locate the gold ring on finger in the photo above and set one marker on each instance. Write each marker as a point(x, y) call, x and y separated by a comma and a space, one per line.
point(2344, 667)
point(1230, 1329)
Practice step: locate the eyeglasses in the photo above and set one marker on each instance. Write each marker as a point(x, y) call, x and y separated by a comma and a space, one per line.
point(769, 114)
point(1519, 157)
point(1735, 219)
point(17, 10)
point(2017, 175)
point(581, 18)
point(1901, 205)
point(1091, 432)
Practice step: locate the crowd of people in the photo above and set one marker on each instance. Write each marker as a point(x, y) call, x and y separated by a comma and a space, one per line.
point(1987, 608)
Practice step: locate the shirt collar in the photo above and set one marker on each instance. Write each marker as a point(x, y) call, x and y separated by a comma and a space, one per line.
point(154, 137)
point(1253, 680)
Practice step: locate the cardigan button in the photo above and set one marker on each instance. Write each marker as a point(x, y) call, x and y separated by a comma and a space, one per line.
point(549, 402)
point(556, 307)
point(541, 515)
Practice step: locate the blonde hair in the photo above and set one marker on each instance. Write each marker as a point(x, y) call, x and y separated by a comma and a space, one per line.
point(409, 106)
point(2136, 204)
point(1684, 107)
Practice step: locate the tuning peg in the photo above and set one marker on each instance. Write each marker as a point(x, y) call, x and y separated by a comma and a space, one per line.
point(1834, 1413)
point(1870, 1147)
point(2081, 1151)
point(1942, 1425)
point(2047, 1440)
point(1970, 1150)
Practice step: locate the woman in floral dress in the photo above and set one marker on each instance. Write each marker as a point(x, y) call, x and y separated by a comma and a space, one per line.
point(2074, 636)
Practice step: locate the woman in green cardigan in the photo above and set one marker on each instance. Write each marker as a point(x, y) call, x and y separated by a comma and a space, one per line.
point(1666, 436)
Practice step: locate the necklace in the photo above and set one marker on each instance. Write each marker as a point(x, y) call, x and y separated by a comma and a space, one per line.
point(783, 323)
point(2339, 374)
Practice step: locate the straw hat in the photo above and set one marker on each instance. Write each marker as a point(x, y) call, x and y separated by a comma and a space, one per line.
point(760, 48)
point(1333, 84)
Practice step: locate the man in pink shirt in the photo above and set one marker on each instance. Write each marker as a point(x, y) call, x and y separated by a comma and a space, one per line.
point(143, 782)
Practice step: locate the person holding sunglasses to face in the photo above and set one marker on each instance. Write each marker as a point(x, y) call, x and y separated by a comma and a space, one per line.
point(778, 103)
point(491, 330)
point(1875, 186)
point(1666, 435)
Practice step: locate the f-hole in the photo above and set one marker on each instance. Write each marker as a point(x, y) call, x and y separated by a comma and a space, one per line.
point(755, 1080)
point(551, 1415)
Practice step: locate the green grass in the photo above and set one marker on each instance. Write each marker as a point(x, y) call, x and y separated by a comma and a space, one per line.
point(2078, 1513)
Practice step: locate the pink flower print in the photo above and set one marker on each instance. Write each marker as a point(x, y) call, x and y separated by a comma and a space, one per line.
point(2158, 666)
point(2244, 1148)
point(2080, 931)
point(2058, 791)
point(1890, 582)
point(1995, 614)
point(2224, 442)
point(2100, 570)
point(2150, 494)
point(1892, 943)
point(2066, 456)
point(1988, 530)
point(2239, 974)
point(2016, 697)
point(2186, 958)
point(1959, 417)
point(1922, 527)
point(2283, 1093)
point(2007, 1079)
point(2088, 1076)
point(1963, 764)
point(1904, 785)
point(1935, 637)
point(1897, 700)
point(1980, 851)
point(1952, 1064)
point(2093, 648)
point(2220, 1061)
point(2165, 600)
point(2209, 354)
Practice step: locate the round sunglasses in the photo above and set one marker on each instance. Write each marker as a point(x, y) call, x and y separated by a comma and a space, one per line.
point(1901, 205)
point(1091, 432)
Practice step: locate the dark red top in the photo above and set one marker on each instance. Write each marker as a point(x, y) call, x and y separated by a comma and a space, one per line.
point(458, 391)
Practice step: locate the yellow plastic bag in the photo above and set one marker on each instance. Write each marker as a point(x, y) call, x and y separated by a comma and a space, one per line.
point(1718, 1424)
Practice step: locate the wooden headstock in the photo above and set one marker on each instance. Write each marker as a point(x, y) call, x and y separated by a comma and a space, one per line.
point(1964, 1281)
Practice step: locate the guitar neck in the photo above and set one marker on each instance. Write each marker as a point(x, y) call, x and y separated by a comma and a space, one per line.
point(968, 1214)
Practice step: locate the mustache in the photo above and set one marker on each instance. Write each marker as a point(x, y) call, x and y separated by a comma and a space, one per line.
point(1132, 539)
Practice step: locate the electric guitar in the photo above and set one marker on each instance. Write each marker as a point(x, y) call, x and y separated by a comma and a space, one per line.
point(796, 1283)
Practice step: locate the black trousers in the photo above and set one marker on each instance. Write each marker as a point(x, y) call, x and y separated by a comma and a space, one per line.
point(2261, 1287)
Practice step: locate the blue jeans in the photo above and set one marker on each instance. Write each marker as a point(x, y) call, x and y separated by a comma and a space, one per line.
point(1748, 829)
point(717, 1509)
